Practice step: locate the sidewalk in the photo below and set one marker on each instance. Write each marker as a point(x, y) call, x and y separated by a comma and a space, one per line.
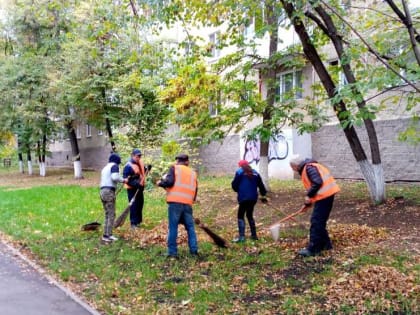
point(26, 289)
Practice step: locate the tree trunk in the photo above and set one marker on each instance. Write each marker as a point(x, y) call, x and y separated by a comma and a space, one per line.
point(42, 165)
point(373, 174)
point(272, 20)
point(109, 131)
point(41, 157)
point(20, 157)
point(28, 155)
point(75, 151)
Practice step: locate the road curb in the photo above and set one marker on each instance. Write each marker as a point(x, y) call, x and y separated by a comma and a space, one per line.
point(49, 278)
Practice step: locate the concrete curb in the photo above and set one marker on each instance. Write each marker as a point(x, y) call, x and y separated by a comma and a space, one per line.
point(50, 279)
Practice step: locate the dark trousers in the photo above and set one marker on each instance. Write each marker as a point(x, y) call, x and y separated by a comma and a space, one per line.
point(136, 209)
point(318, 238)
point(247, 208)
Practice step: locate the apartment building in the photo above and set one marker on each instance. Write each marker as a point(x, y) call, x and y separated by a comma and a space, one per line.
point(401, 160)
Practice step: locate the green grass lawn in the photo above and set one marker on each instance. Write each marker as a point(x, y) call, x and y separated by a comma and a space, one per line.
point(264, 277)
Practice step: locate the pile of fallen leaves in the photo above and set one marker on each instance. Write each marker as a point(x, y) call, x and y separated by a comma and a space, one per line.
point(343, 236)
point(377, 285)
point(351, 235)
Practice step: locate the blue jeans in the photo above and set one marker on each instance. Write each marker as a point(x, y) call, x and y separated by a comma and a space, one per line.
point(179, 213)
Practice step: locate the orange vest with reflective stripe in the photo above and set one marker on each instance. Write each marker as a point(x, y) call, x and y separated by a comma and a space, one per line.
point(329, 186)
point(185, 185)
point(138, 170)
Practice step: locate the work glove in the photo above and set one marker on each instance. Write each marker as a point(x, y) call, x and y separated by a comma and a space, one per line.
point(264, 199)
point(131, 177)
point(307, 202)
point(149, 167)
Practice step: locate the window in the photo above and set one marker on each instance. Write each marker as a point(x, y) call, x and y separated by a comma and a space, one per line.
point(189, 48)
point(248, 30)
point(214, 104)
point(342, 80)
point(88, 130)
point(290, 82)
point(214, 41)
point(345, 4)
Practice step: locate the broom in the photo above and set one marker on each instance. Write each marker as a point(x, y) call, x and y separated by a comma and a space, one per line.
point(123, 216)
point(219, 241)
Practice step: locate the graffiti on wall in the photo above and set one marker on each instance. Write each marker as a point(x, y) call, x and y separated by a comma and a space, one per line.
point(278, 149)
point(252, 151)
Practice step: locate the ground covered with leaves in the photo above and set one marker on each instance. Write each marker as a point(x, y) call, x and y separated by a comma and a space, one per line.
point(373, 268)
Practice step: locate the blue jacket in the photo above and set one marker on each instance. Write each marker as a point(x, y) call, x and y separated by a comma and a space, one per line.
point(246, 187)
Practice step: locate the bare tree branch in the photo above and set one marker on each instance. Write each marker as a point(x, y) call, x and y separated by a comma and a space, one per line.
point(373, 51)
point(411, 32)
point(134, 9)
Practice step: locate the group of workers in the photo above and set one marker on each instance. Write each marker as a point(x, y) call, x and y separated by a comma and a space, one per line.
point(180, 183)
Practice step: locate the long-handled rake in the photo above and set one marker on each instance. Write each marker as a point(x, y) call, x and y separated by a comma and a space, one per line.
point(275, 227)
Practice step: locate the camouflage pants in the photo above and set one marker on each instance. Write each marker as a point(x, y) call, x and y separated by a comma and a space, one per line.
point(108, 202)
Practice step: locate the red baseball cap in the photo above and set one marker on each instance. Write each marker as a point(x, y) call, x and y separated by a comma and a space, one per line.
point(243, 163)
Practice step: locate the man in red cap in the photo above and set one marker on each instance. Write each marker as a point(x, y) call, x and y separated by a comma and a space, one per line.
point(246, 183)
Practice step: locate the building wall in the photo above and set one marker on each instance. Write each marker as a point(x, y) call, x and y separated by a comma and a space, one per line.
point(221, 158)
point(94, 151)
point(400, 160)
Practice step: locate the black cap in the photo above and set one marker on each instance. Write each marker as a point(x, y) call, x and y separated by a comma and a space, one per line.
point(115, 158)
point(136, 152)
point(182, 157)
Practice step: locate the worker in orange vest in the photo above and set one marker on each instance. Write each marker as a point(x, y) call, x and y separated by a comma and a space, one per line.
point(134, 172)
point(180, 184)
point(321, 188)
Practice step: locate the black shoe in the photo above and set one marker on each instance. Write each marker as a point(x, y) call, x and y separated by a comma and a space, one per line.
point(327, 246)
point(306, 253)
point(255, 238)
point(195, 254)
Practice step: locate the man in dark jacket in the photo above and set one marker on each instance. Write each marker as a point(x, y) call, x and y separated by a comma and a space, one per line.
point(181, 188)
point(246, 183)
point(134, 172)
point(320, 188)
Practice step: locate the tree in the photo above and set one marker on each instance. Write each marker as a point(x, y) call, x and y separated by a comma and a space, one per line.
point(32, 40)
point(232, 79)
point(318, 24)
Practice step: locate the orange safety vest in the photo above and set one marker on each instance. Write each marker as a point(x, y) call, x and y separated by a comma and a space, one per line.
point(185, 185)
point(329, 186)
point(138, 170)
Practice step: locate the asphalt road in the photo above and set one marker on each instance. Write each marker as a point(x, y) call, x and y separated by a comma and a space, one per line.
point(25, 289)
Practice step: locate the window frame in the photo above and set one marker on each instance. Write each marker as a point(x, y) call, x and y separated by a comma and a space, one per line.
point(214, 41)
point(297, 83)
